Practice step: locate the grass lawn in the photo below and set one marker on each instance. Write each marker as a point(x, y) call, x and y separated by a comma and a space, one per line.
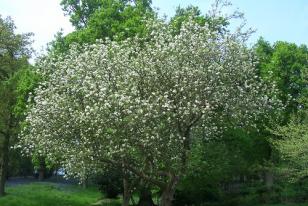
point(291, 204)
point(50, 194)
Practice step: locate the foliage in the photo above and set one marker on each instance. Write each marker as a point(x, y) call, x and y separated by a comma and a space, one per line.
point(110, 182)
point(22, 83)
point(292, 137)
point(284, 64)
point(80, 11)
point(15, 92)
point(293, 147)
point(14, 48)
point(215, 23)
point(115, 19)
point(221, 166)
point(14, 53)
point(19, 166)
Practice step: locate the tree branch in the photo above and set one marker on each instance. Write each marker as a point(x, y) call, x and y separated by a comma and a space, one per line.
point(135, 171)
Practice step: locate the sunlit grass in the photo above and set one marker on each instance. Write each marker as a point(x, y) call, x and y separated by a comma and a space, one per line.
point(49, 194)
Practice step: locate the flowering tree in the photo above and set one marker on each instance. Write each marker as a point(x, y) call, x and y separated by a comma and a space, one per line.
point(137, 104)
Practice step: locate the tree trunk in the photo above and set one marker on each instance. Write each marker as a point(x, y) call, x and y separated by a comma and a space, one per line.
point(84, 184)
point(41, 175)
point(269, 179)
point(41, 171)
point(126, 192)
point(145, 198)
point(166, 198)
point(168, 192)
point(4, 164)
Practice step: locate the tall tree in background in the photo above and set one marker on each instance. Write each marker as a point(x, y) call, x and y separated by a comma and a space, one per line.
point(14, 48)
point(100, 19)
point(14, 54)
point(80, 11)
point(215, 23)
point(283, 64)
point(293, 137)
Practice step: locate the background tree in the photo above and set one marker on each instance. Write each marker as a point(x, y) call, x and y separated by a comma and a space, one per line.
point(13, 93)
point(283, 64)
point(216, 23)
point(14, 53)
point(14, 48)
point(80, 11)
point(98, 19)
point(293, 140)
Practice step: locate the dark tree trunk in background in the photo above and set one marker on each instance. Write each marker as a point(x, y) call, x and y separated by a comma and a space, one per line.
point(42, 169)
point(85, 183)
point(269, 179)
point(4, 163)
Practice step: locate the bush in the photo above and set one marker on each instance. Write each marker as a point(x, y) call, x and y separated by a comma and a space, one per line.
point(110, 182)
point(196, 195)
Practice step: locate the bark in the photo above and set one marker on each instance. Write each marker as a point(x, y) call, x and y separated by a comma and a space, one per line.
point(4, 164)
point(269, 179)
point(42, 170)
point(145, 197)
point(84, 184)
point(168, 192)
point(41, 175)
point(126, 192)
point(166, 198)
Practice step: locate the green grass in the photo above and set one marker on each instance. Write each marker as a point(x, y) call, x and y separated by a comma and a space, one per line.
point(49, 194)
point(291, 204)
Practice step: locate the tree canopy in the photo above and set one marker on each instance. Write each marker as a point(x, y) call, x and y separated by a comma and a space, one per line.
point(284, 64)
point(137, 103)
point(14, 48)
point(99, 19)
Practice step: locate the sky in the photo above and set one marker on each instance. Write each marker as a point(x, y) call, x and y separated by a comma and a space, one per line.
point(285, 20)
